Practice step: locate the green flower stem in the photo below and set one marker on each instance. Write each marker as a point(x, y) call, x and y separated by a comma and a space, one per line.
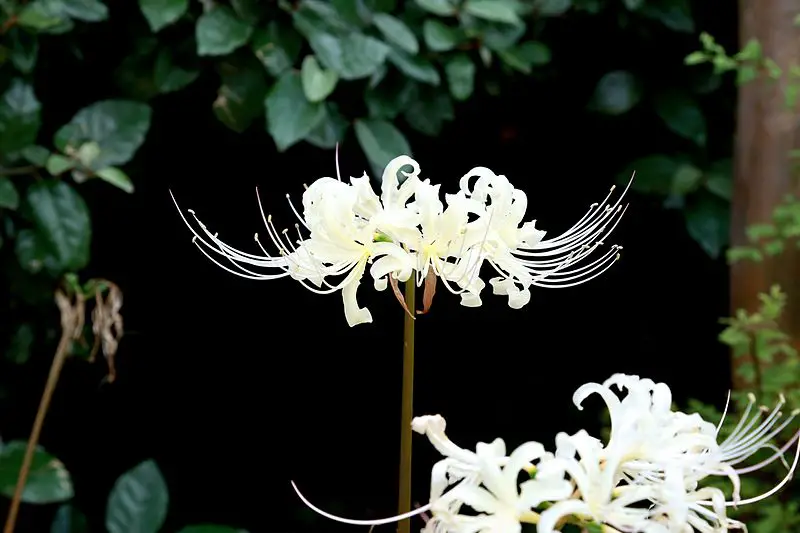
point(407, 411)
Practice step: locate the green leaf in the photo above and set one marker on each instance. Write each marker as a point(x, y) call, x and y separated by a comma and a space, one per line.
point(381, 142)
point(387, 100)
point(352, 56)
point(428, 113)
point(119, 127)
point(219, 32)
point(443, 8)
point(45, 16)
point(240, 99)
point(48, 480)
point(116, 177)
point(57, 164)
point(250, 11)
point(9, 197)
point(707, 220)
point(492, 10)
point(61, 217)
point(525, 56)
point(162, 13)
point(85, 10)
point(313, 17)
point(20, 118)
point(633, 5)
point(552, 8)
point(34, 253)
point(277, 47)
point(24, 49)
point(68, 519)
point(686, 179)
point(19, 349)
point(674, 14)
point(682, 115)
point(396, 32)
point(317, 82)
point(331, 129)
point(440, 37)
point(719, 179)
point(139, 500)
point(654, 174)
point(290, 116)
point(616, 93)
point(35, 154)
point(415, 67)
point(211, 528)
point(460, 73)
point(170, 77)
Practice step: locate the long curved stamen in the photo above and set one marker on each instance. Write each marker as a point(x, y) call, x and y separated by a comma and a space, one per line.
point(379, 522)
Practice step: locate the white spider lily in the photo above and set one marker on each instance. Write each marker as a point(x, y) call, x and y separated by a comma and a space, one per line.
point(407, 229)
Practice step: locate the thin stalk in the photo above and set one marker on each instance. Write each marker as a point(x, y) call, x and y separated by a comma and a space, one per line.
point(407, 411)
point(44, 404)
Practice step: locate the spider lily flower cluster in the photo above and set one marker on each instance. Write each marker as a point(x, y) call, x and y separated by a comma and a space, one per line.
point(647, 478)
point(407, 231)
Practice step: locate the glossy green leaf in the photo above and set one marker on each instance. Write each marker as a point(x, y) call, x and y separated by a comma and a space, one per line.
point(460, 73)
point(525, 56)
point(35, 254)
point(352, 56)
point(552, 8)
point(57, 164)
point(331, 129)
point(616, 93)
point(290, 116)
point(682, 115)
point(44, 16)
point(381, 142)
point(85, 10)
point(277, 47)
point(24, 49)
point(396, 32)
point(719, 179)
point(163, 13)
point(61, 217)
point(220, 32)
point(240, 99)
point(443, 8)
point(116, 177)
point(415, 67)
point(19, 349)
point(686, 179)
point(48, 480)
point(318, 83)
point(388, 100)
point(440, 37)
point(69, 519)
point(312, 17)
point(493, 10)
point(250, 11)
point(9, 197)
point(20, 118)
point(139, 500)
point(211, 528)
point(674, 14)
point(428, 113)
point(168, 76)
point(708, 222)
point(654, 174)
point(119, 127)
point(35, 154)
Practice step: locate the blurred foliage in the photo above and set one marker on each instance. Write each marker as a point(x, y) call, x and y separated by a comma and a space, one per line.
point(317, 72)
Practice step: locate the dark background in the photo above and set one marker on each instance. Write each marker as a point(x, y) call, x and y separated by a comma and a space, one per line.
point(236, 387)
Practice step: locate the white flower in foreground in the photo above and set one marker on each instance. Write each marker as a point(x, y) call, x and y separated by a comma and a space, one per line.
point(648, 478)
point(408, 231)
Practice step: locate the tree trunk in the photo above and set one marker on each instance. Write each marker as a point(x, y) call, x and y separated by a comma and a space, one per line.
point(766, 133)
